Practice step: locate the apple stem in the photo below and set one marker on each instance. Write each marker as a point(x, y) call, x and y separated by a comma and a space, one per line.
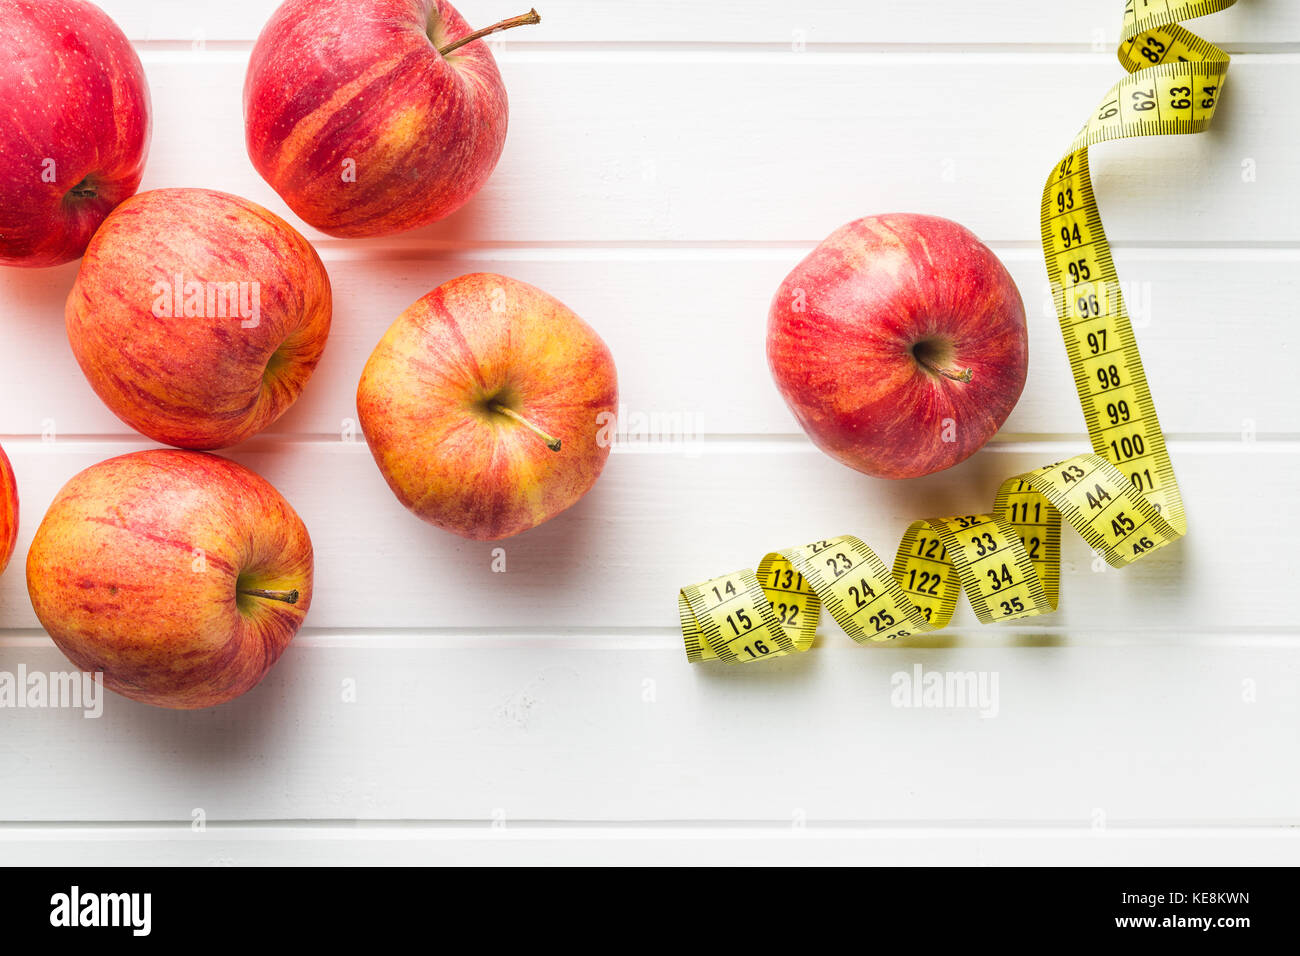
point(532, 16)
point(552, 443)
point(288, 597)
point(964, 375)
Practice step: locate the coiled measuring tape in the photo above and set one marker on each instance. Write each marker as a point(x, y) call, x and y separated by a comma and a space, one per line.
point(1122, 498)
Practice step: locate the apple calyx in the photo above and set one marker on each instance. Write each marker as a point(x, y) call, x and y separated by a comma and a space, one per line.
point(552, 443)
point(532, 16)
point(288, 597)
point(83, 190)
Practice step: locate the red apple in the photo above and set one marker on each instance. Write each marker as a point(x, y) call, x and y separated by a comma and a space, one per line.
point(489, 406)
point(8, 511)
point(370, 117)
point(180, 576)
point(74, 127)
point(197, 316)
point(900, 344)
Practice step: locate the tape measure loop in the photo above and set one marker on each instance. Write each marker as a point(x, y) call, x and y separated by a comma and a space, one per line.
point(1121, 498)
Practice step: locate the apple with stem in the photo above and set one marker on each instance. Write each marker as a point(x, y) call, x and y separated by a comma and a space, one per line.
point(8, 511)
point(489, 406)
point(371, 117)
point(180, 576)
point(198, 316)
point(899, 344)
point(74, 128)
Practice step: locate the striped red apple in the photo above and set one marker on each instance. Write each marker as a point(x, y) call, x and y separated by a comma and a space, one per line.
point(371, 117)
point(198, 316)
point(179, 576)
point(8, 511)
point(488, 406)
point(74, 127)
point(899, 344)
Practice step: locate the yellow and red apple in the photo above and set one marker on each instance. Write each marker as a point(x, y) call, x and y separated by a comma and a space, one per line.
point(371, 117)
point(74, 127)
point(487, 406)
point(899, 344)
point(179, 576)
point(8, 511)
point(198, 316)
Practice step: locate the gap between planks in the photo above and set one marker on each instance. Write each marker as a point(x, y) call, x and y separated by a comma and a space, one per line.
point(346, 828)
point(1023, 635)
point(1047, 445)
point(533, 50)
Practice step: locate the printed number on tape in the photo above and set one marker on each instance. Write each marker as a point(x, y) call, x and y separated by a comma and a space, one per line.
point(1122, 498)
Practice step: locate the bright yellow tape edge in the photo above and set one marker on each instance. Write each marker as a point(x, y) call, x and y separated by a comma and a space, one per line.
point(1122, 499)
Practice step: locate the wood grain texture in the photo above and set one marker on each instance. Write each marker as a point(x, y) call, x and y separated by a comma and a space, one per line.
point(779, 22)
point(479, 845)
point(658, 520)
point(515, 729)
point(686, 327)
point(771, 163)
point(668, 163)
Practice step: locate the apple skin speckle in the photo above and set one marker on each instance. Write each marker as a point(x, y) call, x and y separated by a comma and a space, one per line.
point(135, 573)
point(75, 126)
point(8, 511)
point(425, 395)
point(198, 317)
point(846, 328)
point(361, 125)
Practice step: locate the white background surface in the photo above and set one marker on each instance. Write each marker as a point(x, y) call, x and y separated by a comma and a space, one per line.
point(668, 162)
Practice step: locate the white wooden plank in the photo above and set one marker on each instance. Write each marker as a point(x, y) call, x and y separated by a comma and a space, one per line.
point(520, 729)
point(644, 846)
point(656, 521)
point(687, 328)
point(668, 163)
point(791, 149)
point(747, 21)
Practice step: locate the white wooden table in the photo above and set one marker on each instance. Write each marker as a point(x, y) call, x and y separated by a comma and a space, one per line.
point(668, 162)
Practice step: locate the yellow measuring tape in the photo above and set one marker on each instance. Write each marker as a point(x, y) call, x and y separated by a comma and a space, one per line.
point(1122, 499)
